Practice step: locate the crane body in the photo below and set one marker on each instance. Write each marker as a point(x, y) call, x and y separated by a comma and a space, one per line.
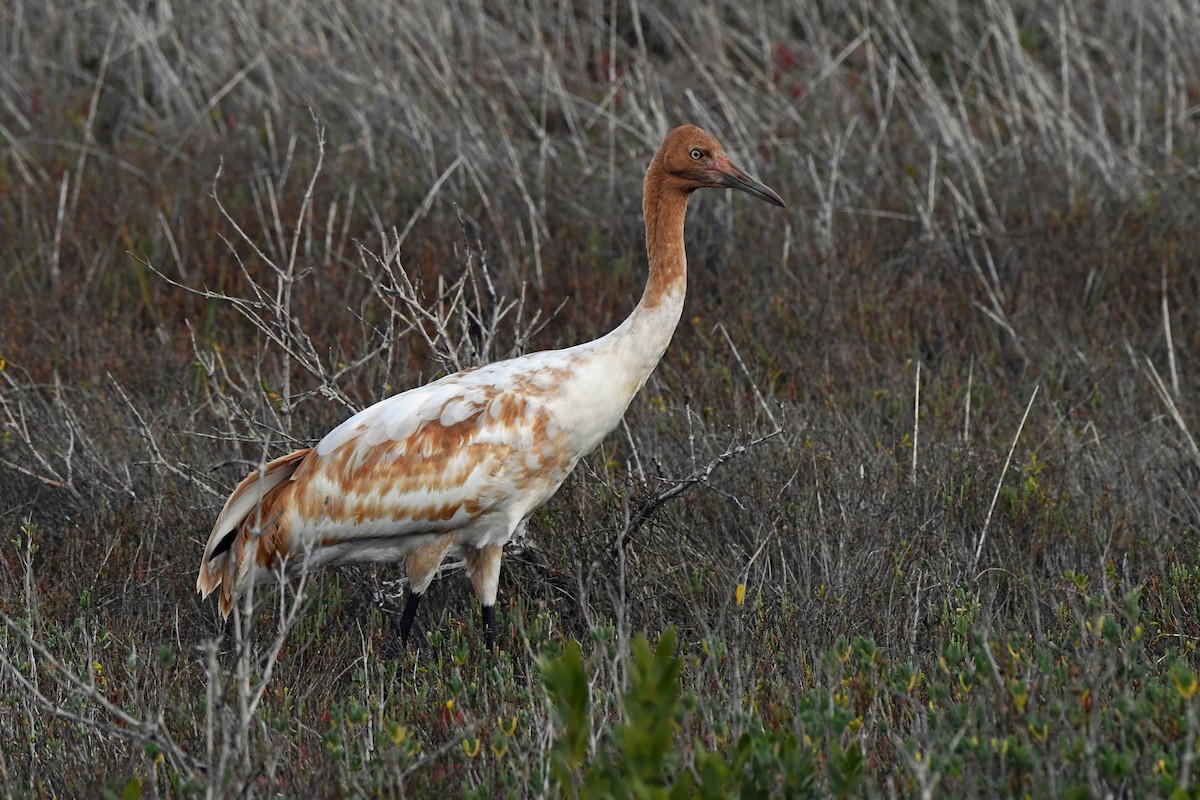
point(459, 464)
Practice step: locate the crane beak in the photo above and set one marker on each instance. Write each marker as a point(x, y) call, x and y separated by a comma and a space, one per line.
point(731, 175)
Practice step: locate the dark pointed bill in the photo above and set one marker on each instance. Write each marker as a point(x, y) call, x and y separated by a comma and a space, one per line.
point(735, 177)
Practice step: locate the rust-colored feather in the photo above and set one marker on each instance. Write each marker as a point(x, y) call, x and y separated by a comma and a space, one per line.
point(253, 501)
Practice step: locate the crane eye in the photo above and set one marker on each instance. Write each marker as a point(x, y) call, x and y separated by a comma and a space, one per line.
point(697, 154)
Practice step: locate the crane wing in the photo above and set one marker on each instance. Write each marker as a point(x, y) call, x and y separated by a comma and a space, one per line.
point(432, 459)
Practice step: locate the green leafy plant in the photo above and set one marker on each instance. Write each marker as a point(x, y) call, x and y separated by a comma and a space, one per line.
point(645, 758)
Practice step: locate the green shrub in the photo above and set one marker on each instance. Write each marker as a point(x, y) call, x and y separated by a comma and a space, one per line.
point(645, 757)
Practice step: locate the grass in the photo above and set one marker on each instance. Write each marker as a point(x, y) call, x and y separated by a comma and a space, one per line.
point(909, 508)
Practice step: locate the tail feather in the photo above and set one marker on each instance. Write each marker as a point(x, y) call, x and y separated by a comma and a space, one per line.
point(219, 567)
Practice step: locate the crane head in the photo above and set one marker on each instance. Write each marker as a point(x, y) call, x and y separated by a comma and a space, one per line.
point(693, 159)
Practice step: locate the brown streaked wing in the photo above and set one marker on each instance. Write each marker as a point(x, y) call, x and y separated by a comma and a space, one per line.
point(470, 452)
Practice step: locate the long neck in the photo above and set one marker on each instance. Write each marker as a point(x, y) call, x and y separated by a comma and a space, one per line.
point(614, 367)
point(645, 334)
point(665, 209)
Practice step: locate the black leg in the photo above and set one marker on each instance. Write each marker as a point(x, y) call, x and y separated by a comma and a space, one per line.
point(489, 627)
point(394, 649)
point(410, 611)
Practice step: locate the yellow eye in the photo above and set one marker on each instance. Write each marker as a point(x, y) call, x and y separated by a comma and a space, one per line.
point(697, 154)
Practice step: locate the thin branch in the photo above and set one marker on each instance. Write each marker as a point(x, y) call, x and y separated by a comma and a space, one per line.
point(699, 476)
point(995, 496)
point(757, 394)
point(1165, 395)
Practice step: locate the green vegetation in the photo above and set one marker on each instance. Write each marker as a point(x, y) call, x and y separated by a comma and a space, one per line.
point(909, 509)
